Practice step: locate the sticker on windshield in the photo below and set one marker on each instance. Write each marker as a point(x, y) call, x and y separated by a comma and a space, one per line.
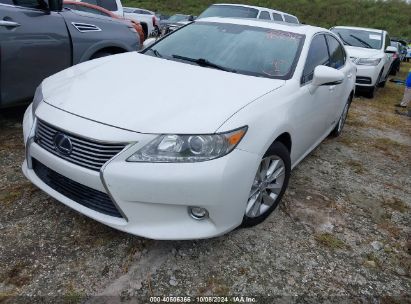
point(375, 37)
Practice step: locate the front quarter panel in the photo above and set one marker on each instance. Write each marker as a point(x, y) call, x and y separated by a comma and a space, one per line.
point(113, 33)
point(267, 118)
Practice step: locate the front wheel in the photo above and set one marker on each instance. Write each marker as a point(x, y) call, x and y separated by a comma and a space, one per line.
point(269, 185)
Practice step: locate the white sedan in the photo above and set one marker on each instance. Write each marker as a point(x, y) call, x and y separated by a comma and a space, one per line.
point(241, 103)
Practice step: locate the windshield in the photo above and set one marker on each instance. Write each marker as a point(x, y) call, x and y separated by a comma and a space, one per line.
point(359, 38)
point(229, 11)
point(237, 48)
point(178, 18)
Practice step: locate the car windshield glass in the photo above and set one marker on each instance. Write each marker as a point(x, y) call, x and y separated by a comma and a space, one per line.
point(177, 18)
point(236, 48)
point(229, 11)
point(359, 38)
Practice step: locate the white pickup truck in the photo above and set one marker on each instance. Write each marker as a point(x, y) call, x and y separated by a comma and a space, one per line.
point(147, 19)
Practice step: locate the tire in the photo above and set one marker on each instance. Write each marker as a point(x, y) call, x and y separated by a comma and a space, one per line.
point(100, 55)
point(370, 93)
point(277, 160)
point(341, 122)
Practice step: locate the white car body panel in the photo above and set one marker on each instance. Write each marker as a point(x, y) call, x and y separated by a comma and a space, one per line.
point(156, 113)
point(154, 197)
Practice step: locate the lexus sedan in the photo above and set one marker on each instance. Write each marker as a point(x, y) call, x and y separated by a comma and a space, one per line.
point(242, 102)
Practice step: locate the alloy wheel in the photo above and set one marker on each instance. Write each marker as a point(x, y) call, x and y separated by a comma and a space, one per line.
point(267, 186)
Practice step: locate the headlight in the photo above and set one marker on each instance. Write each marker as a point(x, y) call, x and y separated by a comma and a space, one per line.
point(38, 97)
point(188, 148)
point(368, 61)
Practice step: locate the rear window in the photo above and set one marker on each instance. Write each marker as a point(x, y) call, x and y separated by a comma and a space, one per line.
point(229, 11)
point(290, 19)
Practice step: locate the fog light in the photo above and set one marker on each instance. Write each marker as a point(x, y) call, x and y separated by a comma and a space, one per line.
point(198, 213)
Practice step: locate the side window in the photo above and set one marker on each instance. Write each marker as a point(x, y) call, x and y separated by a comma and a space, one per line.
point(264, 15)
point(110, 5)
point(290, 19)
point(277, 17)
point(317, 55)
point(337, 53)
point(10, 2)
point(29, 3)
point(387, 42)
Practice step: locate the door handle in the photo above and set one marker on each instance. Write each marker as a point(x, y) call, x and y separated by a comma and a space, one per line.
point(331, 88)
point(9, 23)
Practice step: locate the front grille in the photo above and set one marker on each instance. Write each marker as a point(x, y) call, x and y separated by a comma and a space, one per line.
point(83, 195)
point(363, 80)
point(85, 152)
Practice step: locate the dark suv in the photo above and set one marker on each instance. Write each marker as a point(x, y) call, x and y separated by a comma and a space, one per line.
point(38, 38)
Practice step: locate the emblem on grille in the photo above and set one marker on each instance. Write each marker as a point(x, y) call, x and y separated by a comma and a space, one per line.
point(62, 144)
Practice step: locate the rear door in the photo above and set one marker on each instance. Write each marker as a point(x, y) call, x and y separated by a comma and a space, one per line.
point(34, 44)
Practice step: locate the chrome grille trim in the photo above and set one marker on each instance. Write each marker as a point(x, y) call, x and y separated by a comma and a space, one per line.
point(86, 153)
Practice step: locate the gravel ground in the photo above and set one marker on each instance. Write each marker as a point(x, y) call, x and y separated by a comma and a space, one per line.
point(343, 232)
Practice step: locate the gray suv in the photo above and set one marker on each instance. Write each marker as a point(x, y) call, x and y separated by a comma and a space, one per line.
point(38, 38)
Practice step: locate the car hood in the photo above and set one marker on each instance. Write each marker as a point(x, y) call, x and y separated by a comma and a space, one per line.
point(153, 95)
point(359, 52)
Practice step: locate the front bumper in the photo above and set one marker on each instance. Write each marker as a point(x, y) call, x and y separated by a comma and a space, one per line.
point(367, 76)
point(153, 198)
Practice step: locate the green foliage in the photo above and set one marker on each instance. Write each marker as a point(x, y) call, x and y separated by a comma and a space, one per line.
point(391, 15)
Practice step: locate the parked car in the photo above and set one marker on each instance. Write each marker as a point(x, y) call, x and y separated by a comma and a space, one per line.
point(218, 153)
point(247, 11)
point(174, 22)
point(153, 23)
point(397, 57)
point(38, 40)
point(94, 9)
point(372, 53)
point(408, 56)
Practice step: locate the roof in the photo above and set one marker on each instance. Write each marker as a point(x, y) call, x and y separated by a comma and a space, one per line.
point(360, 28)
point(275, 25)
point(256, 7)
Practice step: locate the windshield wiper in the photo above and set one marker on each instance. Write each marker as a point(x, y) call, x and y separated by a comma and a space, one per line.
point(156, 53)
point(362, 41)
point(343, 40)
point(205, 63)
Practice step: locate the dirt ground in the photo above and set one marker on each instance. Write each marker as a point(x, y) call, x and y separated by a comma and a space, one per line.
point(342, 233)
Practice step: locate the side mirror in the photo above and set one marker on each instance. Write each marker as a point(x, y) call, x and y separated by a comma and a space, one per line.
point(391, 50)
point(55, 5)
point(324, 75)
point(191, 18)
point(148, 42)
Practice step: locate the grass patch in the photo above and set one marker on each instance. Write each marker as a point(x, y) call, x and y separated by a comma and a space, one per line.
point(395, 204)
point(73, 297)
point(356, 166)
point(390, 147)
point(18, 275)
point(372, 261)
point(330, 241)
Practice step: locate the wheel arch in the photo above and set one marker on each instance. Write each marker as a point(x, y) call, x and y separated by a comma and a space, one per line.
point(285, 139)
